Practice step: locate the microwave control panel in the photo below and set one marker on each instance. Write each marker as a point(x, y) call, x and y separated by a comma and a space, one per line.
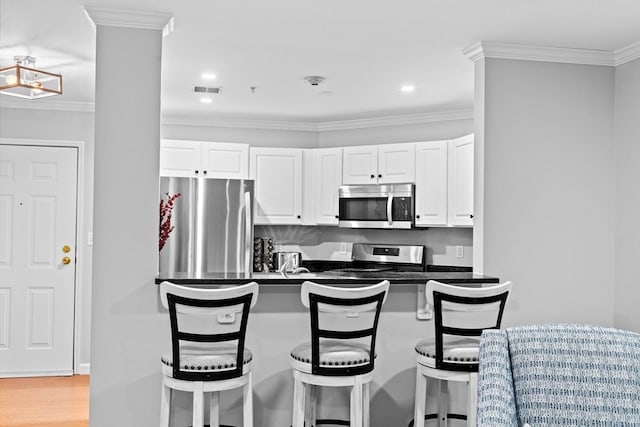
point(402, 209)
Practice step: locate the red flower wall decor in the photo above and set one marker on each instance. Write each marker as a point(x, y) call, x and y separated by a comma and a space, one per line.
point(165, 218)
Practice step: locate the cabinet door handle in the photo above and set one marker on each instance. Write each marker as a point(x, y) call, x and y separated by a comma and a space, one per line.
point(379, 175)
point(471, 216)
point(299, 217)
point(417, 216)
point(196, 171)
point(372, 176)
point(204, 172)
point(337, 217)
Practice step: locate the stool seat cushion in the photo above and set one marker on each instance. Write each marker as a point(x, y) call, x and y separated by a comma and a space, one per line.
point(460, 350)
point(333, 353)
point(196, 359)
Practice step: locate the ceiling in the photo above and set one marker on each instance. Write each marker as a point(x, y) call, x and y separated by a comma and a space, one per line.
point(366, 49)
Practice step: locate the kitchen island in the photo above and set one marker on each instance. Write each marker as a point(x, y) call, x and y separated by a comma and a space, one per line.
point(279, 322)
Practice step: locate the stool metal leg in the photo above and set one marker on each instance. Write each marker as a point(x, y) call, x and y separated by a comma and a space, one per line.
point(165, 405)
point(247, 403)
point(421, 399)
point(198, 404)
point(214, 409)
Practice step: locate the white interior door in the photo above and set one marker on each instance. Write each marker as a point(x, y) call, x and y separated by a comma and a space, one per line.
point(38, 196)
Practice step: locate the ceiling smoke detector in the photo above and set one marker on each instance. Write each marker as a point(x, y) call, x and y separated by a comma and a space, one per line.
point(314, 80)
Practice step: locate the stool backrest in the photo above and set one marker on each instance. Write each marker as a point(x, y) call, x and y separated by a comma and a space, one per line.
point(343, 304)
point(456, 313)
point(204, 317)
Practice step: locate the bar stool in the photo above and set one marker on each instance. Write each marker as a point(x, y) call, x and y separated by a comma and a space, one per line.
point(341, 352)
point(460, 314)
point(204, 357)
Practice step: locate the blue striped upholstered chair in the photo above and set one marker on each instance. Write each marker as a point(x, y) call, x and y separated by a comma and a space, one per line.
point(559, 375)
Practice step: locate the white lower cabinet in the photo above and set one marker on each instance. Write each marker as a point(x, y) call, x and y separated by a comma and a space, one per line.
point(204, 159)
point(327, 177)
point(278, 184)
point(431, 183)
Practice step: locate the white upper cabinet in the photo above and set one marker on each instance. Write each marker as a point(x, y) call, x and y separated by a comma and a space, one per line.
point(461, 181)
point(278, 184)
point(396, 163)
point(225, 160)
point(327, 177)
point(360, 165)
point(179, 158)
point(379, 164)
point(431, 183)
point(204, 159)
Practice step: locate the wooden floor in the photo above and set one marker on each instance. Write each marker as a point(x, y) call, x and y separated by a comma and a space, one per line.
point(44, 402)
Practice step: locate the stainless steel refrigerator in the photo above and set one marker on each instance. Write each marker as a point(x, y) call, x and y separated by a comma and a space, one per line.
point(210, 228)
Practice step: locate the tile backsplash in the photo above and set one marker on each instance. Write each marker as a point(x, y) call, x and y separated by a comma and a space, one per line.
point(333, 243)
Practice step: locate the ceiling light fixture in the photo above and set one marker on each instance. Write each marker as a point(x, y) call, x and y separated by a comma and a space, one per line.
point(25, 81)
point(206, 100)
point(408, 88)
point(208, 76)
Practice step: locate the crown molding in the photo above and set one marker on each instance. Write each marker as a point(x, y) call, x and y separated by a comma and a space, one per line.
point(627, 54)
point(128, 18)
point(46, 104)
point(239, 123)
point(499, 50)
point(400, 120)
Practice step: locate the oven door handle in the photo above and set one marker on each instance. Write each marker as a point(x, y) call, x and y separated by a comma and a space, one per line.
point(389, 210)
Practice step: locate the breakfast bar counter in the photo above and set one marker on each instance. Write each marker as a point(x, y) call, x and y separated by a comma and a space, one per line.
point(328, 278)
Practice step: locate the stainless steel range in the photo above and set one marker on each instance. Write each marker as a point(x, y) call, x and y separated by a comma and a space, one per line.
point(373, 258)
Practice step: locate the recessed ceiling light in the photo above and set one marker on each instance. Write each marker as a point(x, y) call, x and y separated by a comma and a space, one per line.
point(206, 100)
point(408, 88)
point(208, 76)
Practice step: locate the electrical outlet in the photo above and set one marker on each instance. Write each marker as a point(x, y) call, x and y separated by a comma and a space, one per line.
point(459, 251)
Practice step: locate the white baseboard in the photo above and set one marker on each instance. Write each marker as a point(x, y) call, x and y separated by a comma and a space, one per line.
point(83, 369)
point(44, 373)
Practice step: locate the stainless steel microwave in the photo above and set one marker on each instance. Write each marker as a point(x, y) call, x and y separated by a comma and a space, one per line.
point(376, 206)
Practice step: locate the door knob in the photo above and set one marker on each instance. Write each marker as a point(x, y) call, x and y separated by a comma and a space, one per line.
point(66, 260)
point(66, 249)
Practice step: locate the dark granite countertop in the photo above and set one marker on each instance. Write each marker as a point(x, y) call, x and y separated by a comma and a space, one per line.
point(329, 278)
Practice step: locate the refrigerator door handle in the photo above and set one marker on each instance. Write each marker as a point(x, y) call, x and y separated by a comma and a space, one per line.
point(248, 234)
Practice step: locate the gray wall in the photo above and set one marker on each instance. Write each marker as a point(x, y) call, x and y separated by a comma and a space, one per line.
point(174, 128)
point(69, 126)
point(549, 189)
point(627, 198)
